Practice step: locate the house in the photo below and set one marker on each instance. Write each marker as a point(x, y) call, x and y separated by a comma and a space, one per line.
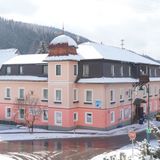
point(91, 85)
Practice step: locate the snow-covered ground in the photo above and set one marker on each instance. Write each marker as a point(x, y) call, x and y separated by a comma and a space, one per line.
point(11, 133)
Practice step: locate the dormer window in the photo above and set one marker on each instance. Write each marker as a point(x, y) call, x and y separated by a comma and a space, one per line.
point(129, 71)
point(85, 70)
point(20, 69)
point(8, 69)
point(121, 70)
point(112, 70)
point(45, 69)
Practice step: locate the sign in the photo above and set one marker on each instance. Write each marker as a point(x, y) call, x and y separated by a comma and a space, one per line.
point(132, 135)
point(98, 103)
point(148, 130)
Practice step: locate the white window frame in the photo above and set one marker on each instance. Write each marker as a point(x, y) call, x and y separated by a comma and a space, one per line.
point(75, 69)
point(112, 70)
point(86, 118)
point(85, 70)
point(6, 93)
point(45, 69)
point(8, 70)
point(6, 112)
point(56, 99)
point(85, 94)
point(121, 70)
point(43, 117)
point(112, 117)
point(155, 72)
point(58, 72)
point(121, 94)
point(75, 95)
point(122, 114)
point(20, 69)
point(19, 93)
point(60, 118)
point(129, 71)
point(75, 116)
point(129, 94)
point(43, 97)
point(19, 115)
point(112, 95)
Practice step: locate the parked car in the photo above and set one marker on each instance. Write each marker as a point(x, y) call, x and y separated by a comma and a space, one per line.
point(158, 116)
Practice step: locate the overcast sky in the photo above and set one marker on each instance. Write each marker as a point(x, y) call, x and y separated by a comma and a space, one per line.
point(107, 21)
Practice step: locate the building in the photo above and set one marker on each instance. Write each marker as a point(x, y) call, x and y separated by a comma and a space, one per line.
point(79, 86)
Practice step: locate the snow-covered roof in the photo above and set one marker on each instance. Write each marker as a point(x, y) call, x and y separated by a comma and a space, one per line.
point(91, 50)
point(28, 59)
point(102, 80)
point(107, 80)
point(64, 39)
point(60, 58)
point(6, 54)
point(22, 78)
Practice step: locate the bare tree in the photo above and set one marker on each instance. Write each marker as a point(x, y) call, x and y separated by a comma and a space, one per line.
point(27, 110)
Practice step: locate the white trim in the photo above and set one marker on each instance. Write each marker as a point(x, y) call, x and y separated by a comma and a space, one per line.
point(76, 69)
point(60, 70)
point(112, 114)
point(19, 114)
point(44, 120)
point(77, 94)
point(43, 98)
point(5, 92)
point(86, 122)
point(75, 113)
point(55, 118)
point(113, 95)
point(85, 94)
point(19, 92)
point(55, 98)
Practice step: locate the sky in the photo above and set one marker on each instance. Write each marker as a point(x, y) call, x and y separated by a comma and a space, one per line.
point(137, 22)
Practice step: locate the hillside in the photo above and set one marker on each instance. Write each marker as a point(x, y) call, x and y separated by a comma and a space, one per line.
point(29, 38)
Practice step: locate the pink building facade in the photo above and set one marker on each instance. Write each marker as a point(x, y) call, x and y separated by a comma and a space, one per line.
point(80, 86)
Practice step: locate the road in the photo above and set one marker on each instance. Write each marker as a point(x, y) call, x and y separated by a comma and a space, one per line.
point(65, 149)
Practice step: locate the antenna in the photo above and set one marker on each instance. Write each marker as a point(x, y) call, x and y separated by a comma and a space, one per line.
point(122, 43)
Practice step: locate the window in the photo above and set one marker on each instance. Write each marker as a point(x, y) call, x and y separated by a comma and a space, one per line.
point(58, 95)
point(21, 93)
point(85, 70)
point(155, 72)
point(121, 95)
point(88, 118)
point(8, 112)
point(129, 94)
point(75, 70)
point(45, 115)
point(122, 114)
point(58, 70)
point(58, 118)
point(129, 71)
point(127, 113)
point(8, 70)
point(45, 94)
point(112, 117)
point(21, 113)
point(20, 69)
point(88, 96)
point(112, 70)
point(155, 91)
point(144, 91)
point(112, 96)
point(75, 95)
point(75, 116)
point(7, 93)
point(45, 69)
point(121, 70)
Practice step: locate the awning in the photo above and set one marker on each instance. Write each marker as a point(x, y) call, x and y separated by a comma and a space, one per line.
point(138, 101)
